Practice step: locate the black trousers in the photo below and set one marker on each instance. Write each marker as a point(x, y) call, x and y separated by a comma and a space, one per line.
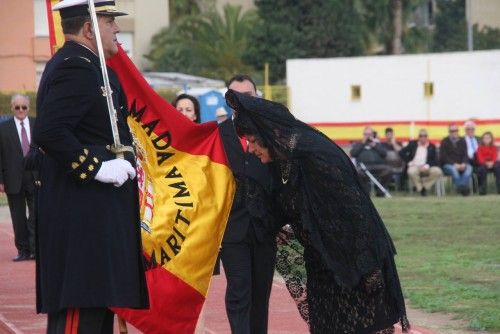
point(23, 224)
point(482, 171)
point(249, 267)
point(81, 321)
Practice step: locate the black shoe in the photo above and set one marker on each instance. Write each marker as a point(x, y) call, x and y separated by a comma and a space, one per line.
point(465, 191)
point(21, 257)
point(423, 192)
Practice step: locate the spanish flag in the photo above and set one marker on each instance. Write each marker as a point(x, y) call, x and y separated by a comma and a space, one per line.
point(186, 190)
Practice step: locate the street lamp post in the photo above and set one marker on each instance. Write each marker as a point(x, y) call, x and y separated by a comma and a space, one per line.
point(468, 15)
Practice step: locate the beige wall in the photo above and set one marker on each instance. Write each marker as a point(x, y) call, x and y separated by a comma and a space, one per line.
point(145, 19)
point(486, 12)
point(19, 49)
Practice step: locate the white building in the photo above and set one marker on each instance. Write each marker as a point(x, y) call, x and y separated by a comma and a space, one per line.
point(342, 95)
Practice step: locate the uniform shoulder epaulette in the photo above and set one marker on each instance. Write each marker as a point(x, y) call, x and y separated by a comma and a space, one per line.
point(81, 57)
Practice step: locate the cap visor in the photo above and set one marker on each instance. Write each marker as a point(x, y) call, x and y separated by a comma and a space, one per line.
point(103, 13)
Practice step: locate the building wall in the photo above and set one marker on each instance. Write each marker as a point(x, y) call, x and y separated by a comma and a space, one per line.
point(486, 12)
point(466, 85)
point(145, 19)
point(20, 49)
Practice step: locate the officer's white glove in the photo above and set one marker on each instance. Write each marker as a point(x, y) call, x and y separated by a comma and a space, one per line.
point(115, 171)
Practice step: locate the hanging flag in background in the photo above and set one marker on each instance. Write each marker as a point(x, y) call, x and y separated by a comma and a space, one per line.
point(56, 35)
point(186, 190)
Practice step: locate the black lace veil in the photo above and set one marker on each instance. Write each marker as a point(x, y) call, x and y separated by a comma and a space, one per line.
point(337, 215)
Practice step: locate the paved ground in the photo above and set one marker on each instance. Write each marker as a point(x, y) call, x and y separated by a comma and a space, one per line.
point(17, 298)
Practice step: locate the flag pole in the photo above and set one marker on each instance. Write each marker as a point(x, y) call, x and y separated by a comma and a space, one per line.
point(117, 147)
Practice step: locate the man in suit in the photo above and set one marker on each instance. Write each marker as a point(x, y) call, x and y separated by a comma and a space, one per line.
point(89, 255)
point(421, 158)
point(372, 153)
point(248, 246)
point(15, 181)
point(472, 141)
point(455, 161)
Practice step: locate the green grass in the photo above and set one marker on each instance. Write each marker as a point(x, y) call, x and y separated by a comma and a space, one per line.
point(449, 254)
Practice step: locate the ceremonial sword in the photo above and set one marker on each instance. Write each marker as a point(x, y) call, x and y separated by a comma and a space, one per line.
point(117, 147)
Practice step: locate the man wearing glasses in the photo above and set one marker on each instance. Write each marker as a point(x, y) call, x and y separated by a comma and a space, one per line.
point(18, 184)
point(421, 158)
point(454, 160)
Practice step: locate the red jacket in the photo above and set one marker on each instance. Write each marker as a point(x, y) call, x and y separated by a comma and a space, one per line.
point(486, 153)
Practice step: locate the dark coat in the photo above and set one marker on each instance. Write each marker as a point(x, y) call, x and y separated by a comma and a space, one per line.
point(246, 167)
point(11, 157)
point(89, 247)
point(369, 155)
point(408, 152)
point(450, 153)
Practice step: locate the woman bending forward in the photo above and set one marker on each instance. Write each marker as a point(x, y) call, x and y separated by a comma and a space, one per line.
point(352, 285)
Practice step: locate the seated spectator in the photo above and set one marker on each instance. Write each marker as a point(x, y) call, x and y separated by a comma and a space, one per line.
point(486, 160)
point(454, 160)
point(421, 158)
point(472, 141)
point(390, 143)
point(371, 153)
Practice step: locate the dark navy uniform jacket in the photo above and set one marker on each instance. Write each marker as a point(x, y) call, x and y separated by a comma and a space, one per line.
point(88, 232)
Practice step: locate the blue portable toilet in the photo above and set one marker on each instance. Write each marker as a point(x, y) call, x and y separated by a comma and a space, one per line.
point(210, 100)
point(209, 103)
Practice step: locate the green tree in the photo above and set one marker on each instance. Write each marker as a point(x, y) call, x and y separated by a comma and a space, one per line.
point(486, 38)
point(182, 8)
point(205, 44)
point(451, 28)
point(303, 29)
point(386, 28)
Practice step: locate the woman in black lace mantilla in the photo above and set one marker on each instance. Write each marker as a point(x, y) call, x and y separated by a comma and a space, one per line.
point(337, 258)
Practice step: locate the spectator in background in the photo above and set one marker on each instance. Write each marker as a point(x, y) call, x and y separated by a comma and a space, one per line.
point(189, 106)
point(372, 153)
point(421, 158)
point(390, 143)
point(472, 141)
point(455, 161)
point(221, 114)
point(15, 181)
point(486, 160)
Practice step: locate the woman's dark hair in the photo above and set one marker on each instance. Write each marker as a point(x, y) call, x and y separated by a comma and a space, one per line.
point(492, 138)
point(195, 103)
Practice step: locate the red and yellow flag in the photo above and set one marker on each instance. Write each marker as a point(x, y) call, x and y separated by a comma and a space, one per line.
point(56, 36)
point(186, 190)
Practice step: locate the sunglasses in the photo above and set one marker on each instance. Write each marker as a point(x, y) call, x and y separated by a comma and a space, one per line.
point(451, 131)
point(422, 136)
point(21, 107)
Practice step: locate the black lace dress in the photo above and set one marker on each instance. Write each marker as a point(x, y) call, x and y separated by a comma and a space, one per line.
point(337, 257)
point(326, 306)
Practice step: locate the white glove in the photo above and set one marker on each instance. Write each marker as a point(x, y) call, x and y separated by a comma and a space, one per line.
point(115, 171)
